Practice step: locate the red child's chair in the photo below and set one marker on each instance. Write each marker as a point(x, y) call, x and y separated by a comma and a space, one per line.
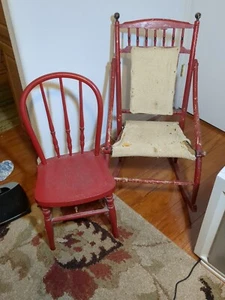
point(147, 59)
point(72, 176)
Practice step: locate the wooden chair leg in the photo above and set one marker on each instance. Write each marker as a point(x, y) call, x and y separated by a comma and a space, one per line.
point(197, 177)
point(118, 166)
point(49, 227)
point(112, 215)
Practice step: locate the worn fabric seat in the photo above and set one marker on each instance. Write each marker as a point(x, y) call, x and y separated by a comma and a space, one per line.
point(153, 139)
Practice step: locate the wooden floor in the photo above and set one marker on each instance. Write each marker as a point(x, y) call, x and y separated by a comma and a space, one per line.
point(160, 205)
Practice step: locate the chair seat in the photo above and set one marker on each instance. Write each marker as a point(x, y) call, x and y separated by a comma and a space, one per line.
point(153, 139)
point(72, 180)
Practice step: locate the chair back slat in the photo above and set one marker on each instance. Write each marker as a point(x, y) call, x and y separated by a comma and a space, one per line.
point(146, 37)
point(173, 37)
point(137, 37)
point(66, 119)
point(81, 117)
point(156, 24)
point(128, 36)
point(164, 37)
point(50, 122)
point(58, 89)
point(155, 37)
point(182, 38)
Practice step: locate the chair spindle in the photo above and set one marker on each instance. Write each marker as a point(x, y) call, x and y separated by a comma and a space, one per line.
point(66, 119)
point(182, 38)
point(146, 37)
point(155, 37)
point(128, 36)
point(137, 37)
point(173, 37)
point(51, 126)
point(81, 117)
point(164, 37)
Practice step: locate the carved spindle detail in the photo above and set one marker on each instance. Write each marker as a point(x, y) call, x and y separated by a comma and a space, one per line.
point(164, 37)
point(50, 123)
point(146, 37)
point(81, 117)
point(173, 37)
point(48, 226)
point(128, 36)
point(137, 36)
point(112, 215)
point(155, 37)
point(66, 119)
point(182, 38)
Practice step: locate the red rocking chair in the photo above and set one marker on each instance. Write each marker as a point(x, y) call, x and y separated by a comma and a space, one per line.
point(73, 176)
point(154, 48)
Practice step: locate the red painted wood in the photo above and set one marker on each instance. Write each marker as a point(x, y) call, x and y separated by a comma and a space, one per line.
point(173, 37)
point(118, 78)
point(81, 117)
point(156, 24)
point(189, 73)
point(107, 148)
point(198, 138)
point(146, 37)
point(182, 38)
point(153, 181)
point(164, 37)
point(75, 178)
point(128, 36)
point(67, 125)
point(155, 37)
point(79, 215)
point(137, 37)
point(112, 215)
point(49, 227)
point(50, 123)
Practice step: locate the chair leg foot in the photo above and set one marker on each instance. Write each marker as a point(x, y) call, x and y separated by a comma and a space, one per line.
point(49, 227)
point(112, 215)
point(194, 197)
point(194, 208)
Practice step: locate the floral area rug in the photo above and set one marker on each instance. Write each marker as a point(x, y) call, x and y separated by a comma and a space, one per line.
point(89, 263)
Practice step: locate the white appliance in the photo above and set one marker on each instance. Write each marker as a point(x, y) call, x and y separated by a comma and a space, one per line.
point(210, 246)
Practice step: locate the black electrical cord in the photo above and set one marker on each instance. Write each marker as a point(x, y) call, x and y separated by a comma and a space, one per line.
point(175, 290)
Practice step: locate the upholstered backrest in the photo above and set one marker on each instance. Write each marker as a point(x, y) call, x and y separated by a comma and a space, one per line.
point(153, 76)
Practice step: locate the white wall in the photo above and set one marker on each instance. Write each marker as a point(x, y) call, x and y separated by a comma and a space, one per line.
point(210, 53)
point(72, 35)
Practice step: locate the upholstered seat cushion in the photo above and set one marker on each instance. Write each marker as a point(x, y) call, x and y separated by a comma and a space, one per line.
point(153, 139)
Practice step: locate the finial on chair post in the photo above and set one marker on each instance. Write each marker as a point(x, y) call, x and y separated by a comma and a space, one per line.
point(116, 16)
point(198, 16)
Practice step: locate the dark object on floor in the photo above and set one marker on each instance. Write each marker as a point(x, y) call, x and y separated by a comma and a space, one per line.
point(13, 202)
